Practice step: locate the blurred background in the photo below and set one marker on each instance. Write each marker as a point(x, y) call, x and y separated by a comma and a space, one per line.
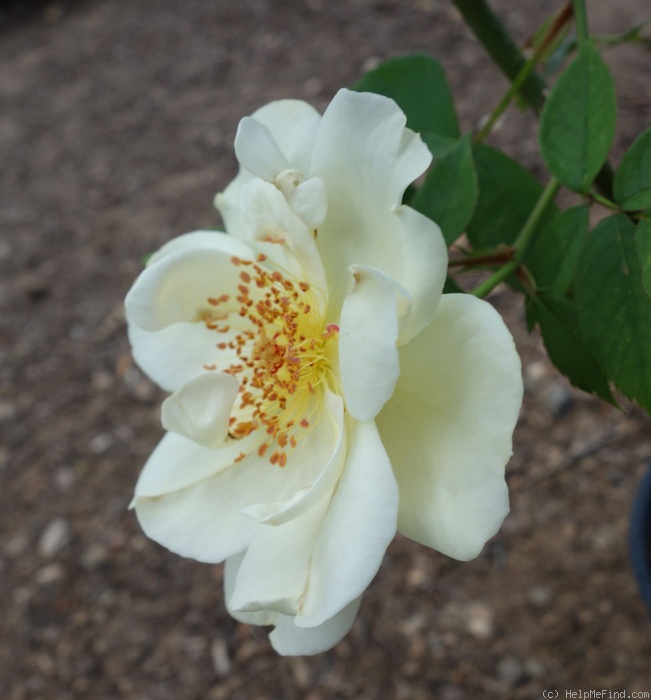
point(117, 122)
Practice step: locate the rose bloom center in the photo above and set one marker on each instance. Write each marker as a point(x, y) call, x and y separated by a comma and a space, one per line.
point(276, 345)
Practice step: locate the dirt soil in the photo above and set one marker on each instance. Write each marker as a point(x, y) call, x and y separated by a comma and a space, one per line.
point(116, 130)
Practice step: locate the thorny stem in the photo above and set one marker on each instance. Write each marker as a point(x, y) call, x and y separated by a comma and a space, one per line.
point(561, 20)
point(522, 241)
point(501, 47)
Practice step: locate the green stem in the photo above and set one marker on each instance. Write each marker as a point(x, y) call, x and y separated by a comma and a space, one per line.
point(501, 48)
point(525, 72)
point(580, 21)
point(504, 51)
point(522, 241)
point(605, 202)
point(502, 105)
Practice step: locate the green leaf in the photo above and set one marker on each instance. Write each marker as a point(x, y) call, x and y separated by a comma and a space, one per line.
point(553, 257)
point(577, 124)
point(567, 350)
point(507, 194)
point(449, 193)
point(632, 185)
point(643, 248)
point(417, 83)
point(438, 144)
point(614, 311)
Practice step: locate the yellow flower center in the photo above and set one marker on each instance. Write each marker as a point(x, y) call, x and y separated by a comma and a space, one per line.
point(282, 356)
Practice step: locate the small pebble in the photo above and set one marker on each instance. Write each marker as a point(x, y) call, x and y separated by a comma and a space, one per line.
point(50, 574)
point(510, 669)
point(221, 660)
point(480, 621)
point(93, 556)
point(534, 668)
point(54, 538)
point(101, 443)
point(557, 398)
point(540, 596)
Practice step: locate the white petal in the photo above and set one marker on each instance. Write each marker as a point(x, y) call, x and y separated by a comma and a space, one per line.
point(292, 124)
point(228, 204)
point(177, 463)
point(197, 501)
point(260, 617)
point(274, 572)
point(366, 158)
point(266, 215)
point(326, 438)
point(200, 410)
point(257, 151)
point(356, 530)
point(361, 134)
point(309, 202)
point(174, 355)
point(448, 427)
point(289, 640)
point(188, 241)
point(368, 357)
point(200, 520)
point(425, 263)
point(178, 286)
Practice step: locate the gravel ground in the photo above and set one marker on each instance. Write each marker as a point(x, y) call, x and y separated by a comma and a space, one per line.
point(116, 130)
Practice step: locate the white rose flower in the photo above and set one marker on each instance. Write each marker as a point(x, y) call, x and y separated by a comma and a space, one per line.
point(324, 392)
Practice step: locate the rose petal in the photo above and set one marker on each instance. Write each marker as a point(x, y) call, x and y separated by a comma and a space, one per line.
point(273, 574)
point(368, 357)
point(260, 617)
point(177, 287)
point(309, 201)
point(200, 410)
point(200, 520)
point(357, 529)
point(174, 355)
point(188, 241)
point(267, 216)
point(448, 427)
point(292, 125)
point(289, 640)
point(257, 151)
point(364, 183)
point(195, 500)
point(328, 438)
point(425, 263)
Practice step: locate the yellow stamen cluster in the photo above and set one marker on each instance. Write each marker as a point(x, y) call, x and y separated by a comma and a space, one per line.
point(281, 360)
